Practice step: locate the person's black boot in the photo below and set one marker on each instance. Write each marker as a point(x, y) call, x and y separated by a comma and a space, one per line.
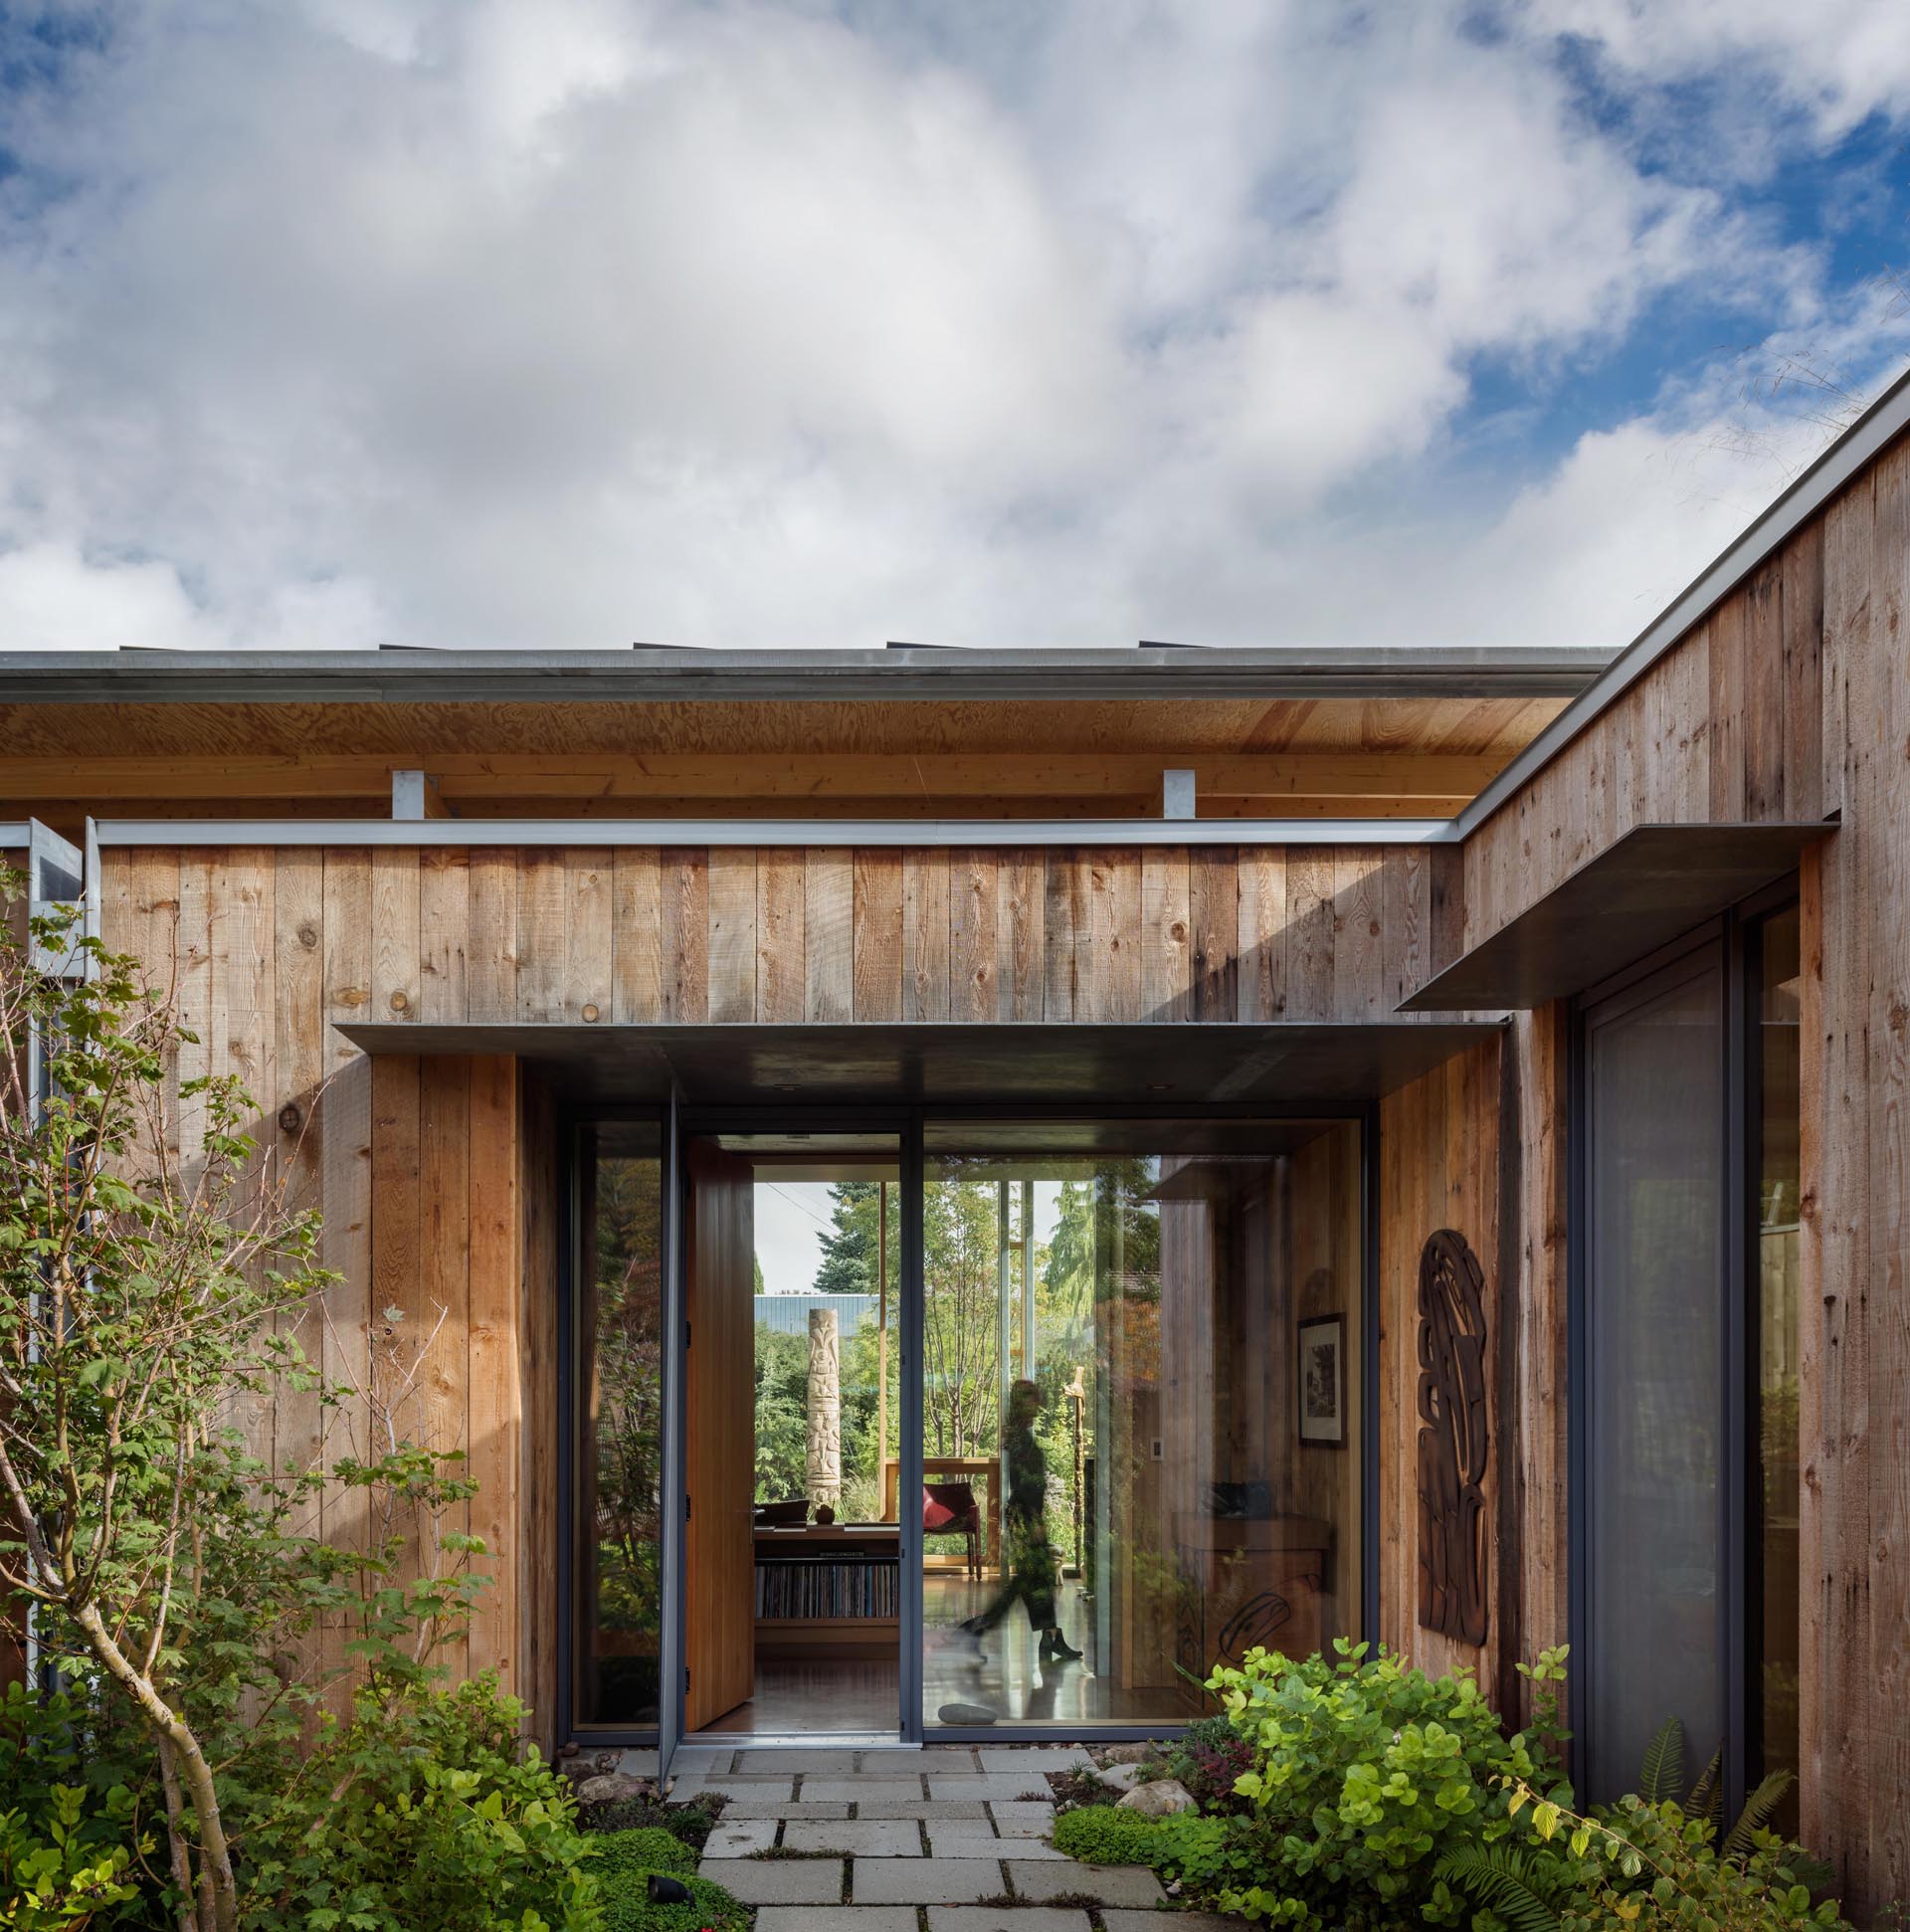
point(1055, 1644)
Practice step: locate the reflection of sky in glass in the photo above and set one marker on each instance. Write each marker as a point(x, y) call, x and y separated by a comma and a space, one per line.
point(793, 1218)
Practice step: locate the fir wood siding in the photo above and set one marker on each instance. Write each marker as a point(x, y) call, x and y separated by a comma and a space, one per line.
point(1789, 700)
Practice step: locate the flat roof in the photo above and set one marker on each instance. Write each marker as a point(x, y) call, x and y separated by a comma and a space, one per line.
point(661, 673)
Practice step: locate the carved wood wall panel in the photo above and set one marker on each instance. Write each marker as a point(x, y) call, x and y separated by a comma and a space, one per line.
point(1453, 1438)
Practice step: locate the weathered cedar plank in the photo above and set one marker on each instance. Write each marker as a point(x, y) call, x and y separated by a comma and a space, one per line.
point(442, 1333)
point(394, 933)
point(1059, 896)
point(973, 911)
point(1405, 907)
point(490, 964)
point(927, 928)
point(443, 934)
point(1021, 882)
point(875, 978)
point(636, 941)
point(682, 886)
point(1214, 930)
point(1359, 977)
point(590, 973)
point(495, 1261)
point(1262, 946)
point(543, 932)
point(1114, 882)
point(1803, 794)
point(1167, 991)
point(781, 948)
point(732, 933)
point(829, 934)
point(1309, 933)
point(1763, 687)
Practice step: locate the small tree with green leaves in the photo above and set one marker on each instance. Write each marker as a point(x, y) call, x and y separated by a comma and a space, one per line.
point(150, 1296)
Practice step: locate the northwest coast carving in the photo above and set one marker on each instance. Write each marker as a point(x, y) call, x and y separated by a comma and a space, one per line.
point(825, 1459)
point(1453, 1438)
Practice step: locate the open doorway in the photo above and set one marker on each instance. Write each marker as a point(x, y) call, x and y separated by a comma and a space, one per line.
point(793, 1582)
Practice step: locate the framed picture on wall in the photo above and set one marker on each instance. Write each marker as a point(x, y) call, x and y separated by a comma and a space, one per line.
point(1322, 1379)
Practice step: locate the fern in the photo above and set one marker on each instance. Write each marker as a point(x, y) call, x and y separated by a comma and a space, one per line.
point(1756, 1812)
point(1505, 1881)
point(1662, 1775)
point(1707, 1795)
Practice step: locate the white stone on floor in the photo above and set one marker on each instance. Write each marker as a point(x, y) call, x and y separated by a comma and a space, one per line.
point(779, 1881)
point(927, 1881)
point(1111, 1884)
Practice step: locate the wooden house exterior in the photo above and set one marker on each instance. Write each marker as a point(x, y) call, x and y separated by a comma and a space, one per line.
point(429, 904)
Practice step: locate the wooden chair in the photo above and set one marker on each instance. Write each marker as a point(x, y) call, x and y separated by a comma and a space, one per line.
point(950, 1510)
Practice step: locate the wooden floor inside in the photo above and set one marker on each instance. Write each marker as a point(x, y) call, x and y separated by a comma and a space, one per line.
point(837, 1697)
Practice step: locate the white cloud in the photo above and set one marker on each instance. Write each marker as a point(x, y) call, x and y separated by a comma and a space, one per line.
point(485, 321)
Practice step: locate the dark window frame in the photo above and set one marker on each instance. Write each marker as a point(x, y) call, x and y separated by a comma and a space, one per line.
point(1733, 943)
point(682, 1120)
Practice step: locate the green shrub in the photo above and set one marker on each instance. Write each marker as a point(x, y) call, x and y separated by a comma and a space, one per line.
point(628, 1908)
point(648, 1849)
point(432, 1813)
point(1104, 1835)
point(1208, 1759)
point(1365, 1775)
point(692, 1823)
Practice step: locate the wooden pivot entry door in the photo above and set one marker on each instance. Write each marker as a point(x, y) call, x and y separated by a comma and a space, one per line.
point(720, 1561)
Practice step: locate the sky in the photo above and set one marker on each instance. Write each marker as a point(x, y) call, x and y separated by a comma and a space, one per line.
point(570, 324)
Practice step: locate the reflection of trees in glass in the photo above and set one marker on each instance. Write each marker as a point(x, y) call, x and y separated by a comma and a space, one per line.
point(961, 1385)
point(627, 1391)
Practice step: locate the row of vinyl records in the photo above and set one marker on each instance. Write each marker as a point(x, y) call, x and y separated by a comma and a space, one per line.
point(865, 1587)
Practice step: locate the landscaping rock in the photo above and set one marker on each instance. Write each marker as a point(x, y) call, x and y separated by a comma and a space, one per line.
point(1121, 1776)
point(613, 1788)
point(1162, 1799)
point(1127, 1753)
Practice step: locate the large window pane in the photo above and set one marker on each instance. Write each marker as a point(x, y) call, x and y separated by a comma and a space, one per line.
point(1140, 1409)
point(619, 1441)
point(1655, 1380)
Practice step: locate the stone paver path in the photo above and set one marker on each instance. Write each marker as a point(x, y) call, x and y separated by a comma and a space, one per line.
point(909, 1842)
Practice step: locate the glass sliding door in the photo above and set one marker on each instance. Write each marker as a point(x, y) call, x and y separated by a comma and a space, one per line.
point(1141, 1366)
point(617, 1445)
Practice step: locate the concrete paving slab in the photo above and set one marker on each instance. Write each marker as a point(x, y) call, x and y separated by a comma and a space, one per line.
point(1019, 1820)
point(996, 1918)
point(862, 1791)
point(861, 1837)
point(850, 1919)
point(777, 1881)
point(1040, 1758)
point(742, 1808)
point(737, 1841)
point(974, 1812)
point(638, 1764)
point(1111, 1884)
point(816, 1764)
point(990, 1784)
point(927, 1881)
point(735, 1787)
point(962, 1841)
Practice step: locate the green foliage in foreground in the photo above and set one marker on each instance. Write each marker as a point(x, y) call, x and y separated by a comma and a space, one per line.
point(647, 1849)
point(626, 1908)
point(1104, 1835)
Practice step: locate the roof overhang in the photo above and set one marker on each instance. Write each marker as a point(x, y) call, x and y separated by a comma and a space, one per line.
point(1643, 890)
point(1286, 1064)
point(652, 675)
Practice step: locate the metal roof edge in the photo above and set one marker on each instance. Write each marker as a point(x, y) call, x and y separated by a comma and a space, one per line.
point(664, 674)
point(1859, 445)
point(677, 833)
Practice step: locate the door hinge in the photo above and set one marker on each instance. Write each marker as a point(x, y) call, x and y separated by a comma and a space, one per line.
point(685, 1336)
point(685, 1680)
point(686, 1509)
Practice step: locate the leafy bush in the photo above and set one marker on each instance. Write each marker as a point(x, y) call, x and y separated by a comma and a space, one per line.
point(432, 1813)
point(1364, 1776)
point(648, 1849)
point(57, 1872)
point(1650, 1867)
point(1208, 1759)
point(628, 1908)
point(1104, 1835)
